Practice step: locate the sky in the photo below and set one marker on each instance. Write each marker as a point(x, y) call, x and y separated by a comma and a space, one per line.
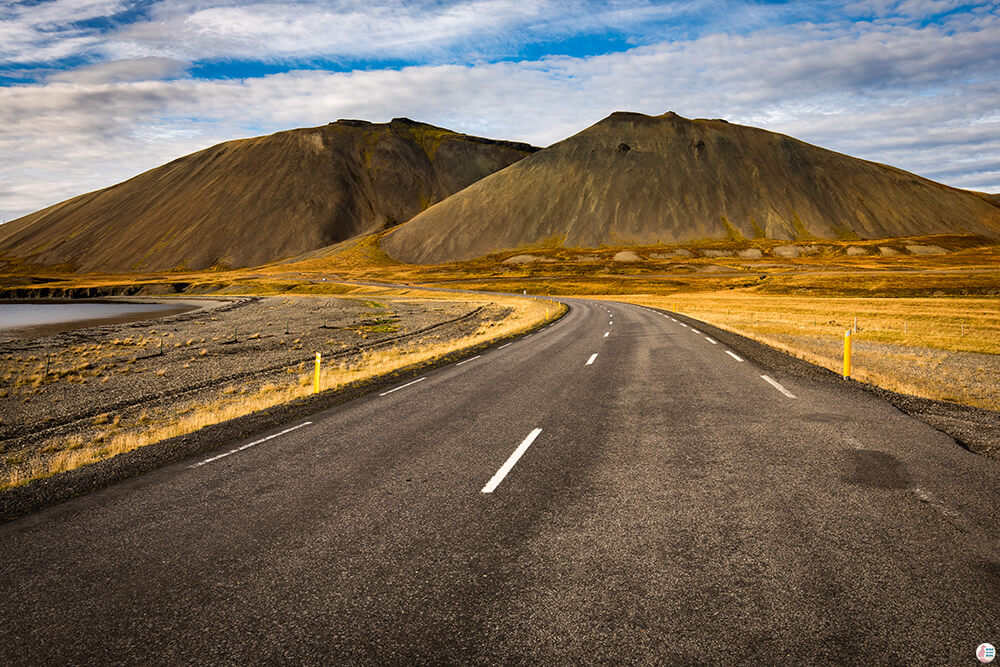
point(95, 91)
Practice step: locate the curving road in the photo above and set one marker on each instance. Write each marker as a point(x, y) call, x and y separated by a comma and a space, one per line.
point(621, 487)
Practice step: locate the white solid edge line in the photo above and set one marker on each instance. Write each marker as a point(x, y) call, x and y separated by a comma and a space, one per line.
point(505, 345)
point(774, 383)
point(510, 462)
point(733, 355)
point(402, 386)
point(249, 445)
point(591, 360)
point(711, 340)
point(468, 360)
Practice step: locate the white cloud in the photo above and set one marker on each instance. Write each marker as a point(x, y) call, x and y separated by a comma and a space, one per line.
point(381, 29)
point(115, 71)
point(301, 30)
point(55, 14)
point(47, 31)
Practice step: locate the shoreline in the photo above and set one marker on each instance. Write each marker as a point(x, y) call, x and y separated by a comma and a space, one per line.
point(177, 306)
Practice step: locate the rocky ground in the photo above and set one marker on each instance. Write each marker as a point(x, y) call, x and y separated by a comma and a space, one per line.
point(59, 391)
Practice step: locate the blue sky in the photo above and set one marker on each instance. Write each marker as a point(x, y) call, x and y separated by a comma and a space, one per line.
point(95, 91)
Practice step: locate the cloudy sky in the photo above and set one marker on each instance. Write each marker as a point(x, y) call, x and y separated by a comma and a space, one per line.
point(95, 91)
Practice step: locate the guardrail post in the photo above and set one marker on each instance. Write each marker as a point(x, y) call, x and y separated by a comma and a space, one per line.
point(316, 374)
point(847, 354)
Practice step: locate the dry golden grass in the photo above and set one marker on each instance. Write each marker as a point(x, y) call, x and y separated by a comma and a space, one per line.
point(940, 348)
point(955, 324)
point(971, 267)
point(232, 403)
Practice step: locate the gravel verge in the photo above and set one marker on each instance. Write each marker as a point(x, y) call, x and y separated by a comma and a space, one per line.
point(434, 321)
point(61, 380)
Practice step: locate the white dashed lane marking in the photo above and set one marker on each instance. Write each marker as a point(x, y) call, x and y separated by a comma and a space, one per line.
point(776, 385)
point(249, 445)
point(510, 462)
point(733, 355)
point(403, 386)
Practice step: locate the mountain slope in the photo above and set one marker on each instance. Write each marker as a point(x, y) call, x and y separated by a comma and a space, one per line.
point(252, 201)
point(636, 179)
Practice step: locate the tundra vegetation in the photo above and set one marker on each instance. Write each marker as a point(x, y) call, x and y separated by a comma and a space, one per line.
point(927, 309)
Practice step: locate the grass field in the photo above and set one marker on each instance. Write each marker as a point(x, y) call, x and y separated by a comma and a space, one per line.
point(969, 267)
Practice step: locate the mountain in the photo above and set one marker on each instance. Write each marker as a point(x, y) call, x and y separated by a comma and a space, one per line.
point(252, 201)
point(637, 179)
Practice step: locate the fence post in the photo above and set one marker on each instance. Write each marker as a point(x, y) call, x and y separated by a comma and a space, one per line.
point(316, 375)
point(847, 354)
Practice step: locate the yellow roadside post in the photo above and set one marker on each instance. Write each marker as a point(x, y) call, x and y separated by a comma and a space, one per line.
point(847, 354)
point(316, 375)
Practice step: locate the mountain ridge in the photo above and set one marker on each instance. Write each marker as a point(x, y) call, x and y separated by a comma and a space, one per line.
point(638, 179)
point(251, 201)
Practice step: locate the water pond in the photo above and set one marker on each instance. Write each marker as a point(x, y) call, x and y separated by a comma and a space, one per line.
point(28, 320)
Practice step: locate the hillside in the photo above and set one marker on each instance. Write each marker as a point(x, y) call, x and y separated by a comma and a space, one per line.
point(636, 179)
point(252, 201)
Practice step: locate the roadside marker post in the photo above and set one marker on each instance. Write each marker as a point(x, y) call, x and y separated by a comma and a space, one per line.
point(847, 354)
point(316, 375)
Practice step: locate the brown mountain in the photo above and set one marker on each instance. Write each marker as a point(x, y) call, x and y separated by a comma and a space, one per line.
point(636, 179)
point(252, 201)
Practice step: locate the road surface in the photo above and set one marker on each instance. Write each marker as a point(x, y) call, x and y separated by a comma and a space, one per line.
point(618, 488)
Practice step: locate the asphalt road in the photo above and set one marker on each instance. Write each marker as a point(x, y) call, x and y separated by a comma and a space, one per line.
point(673, 503)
